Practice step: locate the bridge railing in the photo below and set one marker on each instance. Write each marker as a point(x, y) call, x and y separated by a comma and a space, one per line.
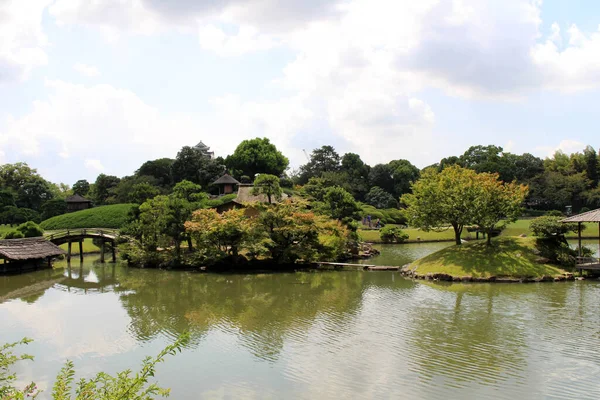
point(98, 232)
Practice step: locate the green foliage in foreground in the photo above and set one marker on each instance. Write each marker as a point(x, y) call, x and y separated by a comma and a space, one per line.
point(505, 257)
point(123, 385)
point(113, 216)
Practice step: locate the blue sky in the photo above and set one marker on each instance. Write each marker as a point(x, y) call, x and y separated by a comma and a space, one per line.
point(90, 87)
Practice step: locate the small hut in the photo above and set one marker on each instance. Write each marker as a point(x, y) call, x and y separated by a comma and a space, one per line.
point(227, 184)
point(77, 203)
point(28, 253)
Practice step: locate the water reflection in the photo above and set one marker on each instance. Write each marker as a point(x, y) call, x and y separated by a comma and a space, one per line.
point(312, 335)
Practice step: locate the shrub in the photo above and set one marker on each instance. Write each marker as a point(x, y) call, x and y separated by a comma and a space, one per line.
point(392, 234)
point(551, 242)
point(30, 229)
point(554, 213)
point(14, 235)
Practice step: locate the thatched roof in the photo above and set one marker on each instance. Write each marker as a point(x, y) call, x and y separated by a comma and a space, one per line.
point(77, 199)
point(590, 216)
point(28, 249)
point(245, 195)
point(226, 179)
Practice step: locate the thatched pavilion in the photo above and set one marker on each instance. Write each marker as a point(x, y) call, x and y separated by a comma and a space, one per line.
point(227, 184)
point(77, 202)
point(28, 253)
point(590, 216)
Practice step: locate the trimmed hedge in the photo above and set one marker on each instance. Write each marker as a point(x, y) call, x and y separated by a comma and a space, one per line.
point(387, 216)
point(113, 216)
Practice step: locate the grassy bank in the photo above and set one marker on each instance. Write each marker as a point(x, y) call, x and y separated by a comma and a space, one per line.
point(113, 216)
point(511, 257)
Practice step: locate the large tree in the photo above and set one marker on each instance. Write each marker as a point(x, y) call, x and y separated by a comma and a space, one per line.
point(256, 156)
point(194, 166)
point(81, 187)
point(158, 169)
point(104, 187)
point(497, 201)
point(443, 199)
point(323, 159)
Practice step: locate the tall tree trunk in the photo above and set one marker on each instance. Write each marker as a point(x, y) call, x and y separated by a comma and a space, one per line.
point(457, 232)
point(489, 237)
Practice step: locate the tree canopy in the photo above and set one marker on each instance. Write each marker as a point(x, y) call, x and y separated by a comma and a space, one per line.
point(256, 156)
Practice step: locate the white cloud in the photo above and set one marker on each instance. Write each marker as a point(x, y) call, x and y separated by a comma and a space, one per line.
point(567, 146)
point(22, 40)
point(86, 70)
point(247, 40)
point(94, 165)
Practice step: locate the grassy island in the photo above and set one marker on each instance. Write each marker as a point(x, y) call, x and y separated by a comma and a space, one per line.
point(506, 257)
point(112, 216)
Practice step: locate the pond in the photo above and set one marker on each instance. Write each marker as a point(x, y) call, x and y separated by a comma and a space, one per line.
point(320, 335)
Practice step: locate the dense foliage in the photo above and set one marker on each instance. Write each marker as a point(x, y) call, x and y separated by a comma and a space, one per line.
point(256, 156)
point(392, 234)
point(551, 241)
point(459, 197)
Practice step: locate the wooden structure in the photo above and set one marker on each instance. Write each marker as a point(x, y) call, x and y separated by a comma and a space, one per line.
point(71, 236)
point(77, 203)
point(590, 216)
point(28, 253)
point(227, 184)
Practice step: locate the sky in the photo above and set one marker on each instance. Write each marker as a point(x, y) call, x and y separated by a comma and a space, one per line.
point(100, 86)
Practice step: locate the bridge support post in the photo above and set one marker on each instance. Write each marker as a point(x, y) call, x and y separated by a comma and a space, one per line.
point(114, 255)
point(102, 249)
point(69, 251)
point(81, 250)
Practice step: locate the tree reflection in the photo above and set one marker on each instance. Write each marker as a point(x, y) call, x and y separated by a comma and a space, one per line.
point(462, 339)
point(261, 309)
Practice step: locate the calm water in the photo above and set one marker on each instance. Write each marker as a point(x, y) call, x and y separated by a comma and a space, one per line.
point(312, 335)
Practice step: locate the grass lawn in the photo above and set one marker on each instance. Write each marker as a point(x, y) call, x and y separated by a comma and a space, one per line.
point(521, 227)
point(113, 216)
point(372, 235)
point(88, 247)
point(507, 257)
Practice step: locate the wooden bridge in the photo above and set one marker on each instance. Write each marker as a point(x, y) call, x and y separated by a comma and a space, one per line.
point(70, 236)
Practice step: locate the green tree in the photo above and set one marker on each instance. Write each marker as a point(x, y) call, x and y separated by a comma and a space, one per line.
point(192, 165)
point(256, 156)
point(340, 205)
point(104, 188)
point(381, 176)
point(53, 207)
point(158, 169)
point(323, 159)
point(140, 192)
point(7, 199)
point(591, 165)
point(269, 186)
point(226, 232)
point(14, 176)
point(379, 198)
point(33, 193)
point(81, 187)
point(392, 234)
point(403, 175)
point(357, 175)
point(497, 201)
point(442, 199)
point(189, 191)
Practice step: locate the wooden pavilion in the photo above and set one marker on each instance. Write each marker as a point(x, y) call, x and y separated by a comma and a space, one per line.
point(580, 219)
point(227, 184)
point(28, 253)
point(77, 202)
